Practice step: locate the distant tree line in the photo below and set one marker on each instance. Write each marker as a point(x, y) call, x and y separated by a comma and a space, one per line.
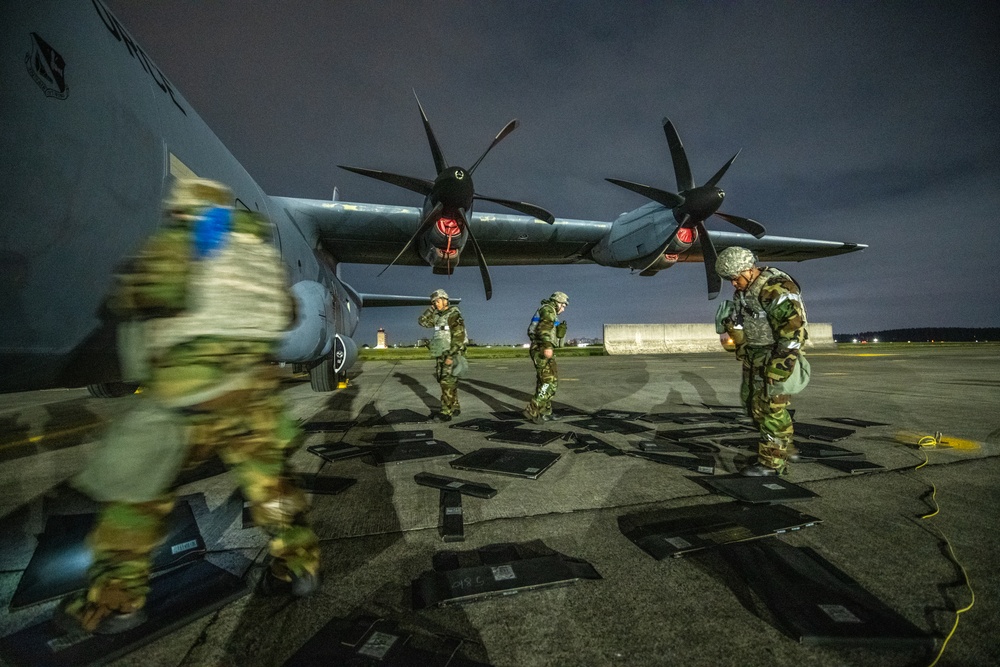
point(945, 334)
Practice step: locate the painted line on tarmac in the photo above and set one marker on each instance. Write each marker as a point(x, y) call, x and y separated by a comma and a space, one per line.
point(851, 354)
point(51, 435)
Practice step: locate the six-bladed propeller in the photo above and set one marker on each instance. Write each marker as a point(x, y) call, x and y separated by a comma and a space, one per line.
point(692, 206)
point(451, 195)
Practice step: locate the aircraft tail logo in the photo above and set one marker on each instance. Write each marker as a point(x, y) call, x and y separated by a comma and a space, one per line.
point(47, 67)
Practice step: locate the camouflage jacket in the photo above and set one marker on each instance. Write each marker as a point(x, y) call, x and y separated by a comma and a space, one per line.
point(780, 298)
point(543, 329)
point(237, 291)
point(449, 337)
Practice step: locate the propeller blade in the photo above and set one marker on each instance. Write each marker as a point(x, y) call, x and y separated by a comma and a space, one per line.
point(419, 185)
point(709, 255)
point(677, 155)
point(483, 269)
point(715, 179)
point(424, 225)
point(522, 207)
point(668, 199)
point(746, 224)
point(439, 162)
point(507, 129)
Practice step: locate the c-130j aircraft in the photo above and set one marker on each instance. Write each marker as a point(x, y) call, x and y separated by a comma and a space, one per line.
point(94, 134)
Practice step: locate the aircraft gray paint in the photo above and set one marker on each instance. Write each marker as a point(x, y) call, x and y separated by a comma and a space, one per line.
point(93, 135)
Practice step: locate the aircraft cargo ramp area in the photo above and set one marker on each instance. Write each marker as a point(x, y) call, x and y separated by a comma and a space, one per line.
point(681, 338)
point(609, 524)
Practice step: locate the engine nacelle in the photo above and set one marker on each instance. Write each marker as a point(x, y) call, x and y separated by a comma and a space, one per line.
point(312, 336)
point(635, 236)
point(665, 261)
point(441, 246)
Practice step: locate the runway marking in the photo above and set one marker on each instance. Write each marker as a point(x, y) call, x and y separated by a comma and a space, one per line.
point(52, 435)
point(852, 354)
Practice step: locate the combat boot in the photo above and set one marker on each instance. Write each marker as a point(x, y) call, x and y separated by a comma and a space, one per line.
point(75, 614)
point(534, 419)
point(758, 470)
point(300, 586)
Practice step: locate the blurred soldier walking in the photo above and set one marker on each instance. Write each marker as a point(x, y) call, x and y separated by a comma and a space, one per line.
point(213, 296)
point(546, 333)
point(767, 321)
point(447, 346)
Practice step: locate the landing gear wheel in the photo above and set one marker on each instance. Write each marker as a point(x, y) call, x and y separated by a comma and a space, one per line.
point(322, 377)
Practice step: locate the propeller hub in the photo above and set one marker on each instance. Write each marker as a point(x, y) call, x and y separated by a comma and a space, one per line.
point(453, 188)
point(702, 202)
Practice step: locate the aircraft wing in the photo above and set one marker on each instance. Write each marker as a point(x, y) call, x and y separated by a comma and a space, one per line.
point(775, 248)
point(374, 233)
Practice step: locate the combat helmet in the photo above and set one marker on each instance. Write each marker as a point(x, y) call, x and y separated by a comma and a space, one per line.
point(560, 297)
point(190, 193)
point(733, 261)
point(439, 294)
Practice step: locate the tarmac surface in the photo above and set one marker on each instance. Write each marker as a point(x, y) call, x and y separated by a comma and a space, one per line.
point(382, 532)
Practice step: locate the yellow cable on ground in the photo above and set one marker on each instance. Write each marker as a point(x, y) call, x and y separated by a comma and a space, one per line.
point(931, 442)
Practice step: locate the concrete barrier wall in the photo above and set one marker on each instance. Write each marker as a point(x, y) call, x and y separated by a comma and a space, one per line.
point(670, 338)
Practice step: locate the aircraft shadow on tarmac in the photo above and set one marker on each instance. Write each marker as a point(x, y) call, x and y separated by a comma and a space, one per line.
point(418, 389)
point(707, 395)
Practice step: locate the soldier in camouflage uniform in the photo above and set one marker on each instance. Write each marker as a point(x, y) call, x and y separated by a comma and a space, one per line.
point(447, 346)
point(546, 333)
point(211, 291)
point(767, 321)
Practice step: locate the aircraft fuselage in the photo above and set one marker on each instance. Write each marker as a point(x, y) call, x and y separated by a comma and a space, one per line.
point(92, 138)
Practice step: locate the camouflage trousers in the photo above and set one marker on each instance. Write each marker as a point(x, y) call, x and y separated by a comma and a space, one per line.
point(546, 383)
point(247, 428)
point(449, 387)
point(769, 413)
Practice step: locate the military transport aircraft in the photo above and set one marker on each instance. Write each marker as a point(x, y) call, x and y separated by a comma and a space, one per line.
point(93, 135)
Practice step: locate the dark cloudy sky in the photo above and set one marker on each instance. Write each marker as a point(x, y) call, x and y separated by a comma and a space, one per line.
point(868, 122)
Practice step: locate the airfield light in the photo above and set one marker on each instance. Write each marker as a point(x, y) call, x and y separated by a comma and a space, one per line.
point(855, 340)
point(874, 340)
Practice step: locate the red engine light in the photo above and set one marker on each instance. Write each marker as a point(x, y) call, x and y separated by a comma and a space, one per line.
point(447, 252)
point(685, 235)
point(449, 226)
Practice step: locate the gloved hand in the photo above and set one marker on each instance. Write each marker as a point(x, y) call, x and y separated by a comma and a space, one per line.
point(561, 329)
point(723, 316)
